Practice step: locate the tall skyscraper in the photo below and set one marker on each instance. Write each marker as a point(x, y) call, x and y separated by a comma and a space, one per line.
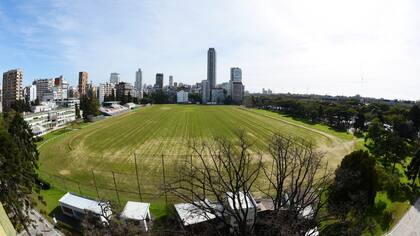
point(12, 88)
point(235, 74)
point(138, 84)
point(114, 78)
point(83, 83)
point(171, 81)
point(159, 81)
point(211, 67)
point(44, 89)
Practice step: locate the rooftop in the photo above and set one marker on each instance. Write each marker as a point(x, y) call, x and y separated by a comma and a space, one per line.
point(135, 210)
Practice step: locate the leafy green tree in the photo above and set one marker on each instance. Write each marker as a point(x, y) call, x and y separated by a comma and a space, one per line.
point(359, 122)
point(355, 184)
point(413, 169)
point(18, 164)
point(414, 116)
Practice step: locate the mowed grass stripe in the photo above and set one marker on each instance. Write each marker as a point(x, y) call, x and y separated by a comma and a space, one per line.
point(109, 145)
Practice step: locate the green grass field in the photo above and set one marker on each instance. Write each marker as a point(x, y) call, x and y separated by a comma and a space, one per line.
point(68, 158)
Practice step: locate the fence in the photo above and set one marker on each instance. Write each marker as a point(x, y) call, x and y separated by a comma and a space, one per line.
point(144, 180)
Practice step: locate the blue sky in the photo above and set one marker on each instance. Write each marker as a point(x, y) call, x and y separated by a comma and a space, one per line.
point(304, 46)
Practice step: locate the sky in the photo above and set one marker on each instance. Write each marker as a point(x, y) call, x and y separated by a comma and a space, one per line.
point(371, 48)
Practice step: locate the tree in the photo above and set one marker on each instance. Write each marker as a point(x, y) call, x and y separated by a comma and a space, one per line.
point(413, 169)
point(89, 106)
point(298, 176)
point(215, 170)
point(77, 111)
point(355, 184)
point(359, 122)
point(414, 116)
point(18, 164)
point(108, 225)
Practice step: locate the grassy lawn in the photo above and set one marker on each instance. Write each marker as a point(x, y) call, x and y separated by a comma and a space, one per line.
point(69, 156)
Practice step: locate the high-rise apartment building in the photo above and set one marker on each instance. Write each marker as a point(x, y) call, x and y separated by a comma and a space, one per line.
point(211, 67)
point(237, 92)
point(123, 89)
point(138, 84)
point(205, 91)
point(114, 78)
point(235, 74)
point(30, 93)
point(83, 83)
point(159, 81)
point(105, 90)
point(12, 88)
point(44, 89)
point(171, 81)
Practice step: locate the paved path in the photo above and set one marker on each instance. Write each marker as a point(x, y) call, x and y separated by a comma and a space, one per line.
point(41, 226)
point(409, 225)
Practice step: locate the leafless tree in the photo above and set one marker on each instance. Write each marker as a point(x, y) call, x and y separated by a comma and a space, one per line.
point(298, 176)
point(217, 173)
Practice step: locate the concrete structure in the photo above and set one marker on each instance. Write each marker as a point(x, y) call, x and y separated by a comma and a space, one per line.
point(123, 89)
point(30, 93)
point(211, 67)
point(182, 97)
point(235, 74)
point(205, 91)
point(114, 78)
point(12, 88)
point(237, 92)
point(171, 81)
point(60, 89)
point(409, 223)
point(44, 89)
point(218, 95)
point(83, 83)
point(46, 119)
point(159, 81)
point(138, 212)
point(105, 90)
point(138, 84)
point(75, 206)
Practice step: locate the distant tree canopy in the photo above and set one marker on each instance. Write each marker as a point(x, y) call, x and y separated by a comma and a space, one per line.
point(159, 97)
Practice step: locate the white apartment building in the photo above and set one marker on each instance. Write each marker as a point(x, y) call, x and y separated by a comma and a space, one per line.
point(106, 89)
point(45, 121)
point(182, 97)
point(114, 78)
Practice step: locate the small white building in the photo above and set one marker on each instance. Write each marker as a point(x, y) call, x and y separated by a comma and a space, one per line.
point(137, 212)
point(75, 206)
point(182, 97)
point(190, 214)
point(239, 202)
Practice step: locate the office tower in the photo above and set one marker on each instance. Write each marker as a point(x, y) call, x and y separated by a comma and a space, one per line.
point(139, 80)
point(114, 78)
point(83, 83)
point(205, 91)
point(159, 81)
point(237, 92)
point(211, 68)
point(236, 74)
point(171, 81)
point(12, 88)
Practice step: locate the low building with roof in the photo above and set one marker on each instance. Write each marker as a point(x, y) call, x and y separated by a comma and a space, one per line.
point(76, 206)
point(138, 212)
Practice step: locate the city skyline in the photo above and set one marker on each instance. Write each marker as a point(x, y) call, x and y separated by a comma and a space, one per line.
point(369, 48)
